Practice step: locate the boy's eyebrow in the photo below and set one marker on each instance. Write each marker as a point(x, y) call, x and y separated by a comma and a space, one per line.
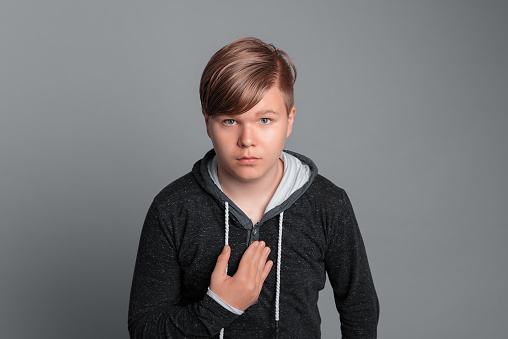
point(267, 111)
point(229, 116)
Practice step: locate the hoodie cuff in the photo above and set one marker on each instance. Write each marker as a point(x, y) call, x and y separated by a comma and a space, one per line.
point(223, 303)
point(212, 315)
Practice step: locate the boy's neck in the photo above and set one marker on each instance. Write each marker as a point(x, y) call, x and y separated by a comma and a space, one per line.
point(251, 197)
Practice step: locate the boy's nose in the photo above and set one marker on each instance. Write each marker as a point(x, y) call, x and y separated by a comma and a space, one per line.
point(246, 137)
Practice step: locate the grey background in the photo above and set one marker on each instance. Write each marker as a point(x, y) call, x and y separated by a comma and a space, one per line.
point(402, 103)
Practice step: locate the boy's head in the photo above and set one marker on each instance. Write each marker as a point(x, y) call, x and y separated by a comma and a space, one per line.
point(247, 101)
point(237, 77)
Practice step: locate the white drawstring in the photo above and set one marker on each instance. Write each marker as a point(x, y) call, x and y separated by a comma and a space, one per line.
point(277, 288)
point(226, 221)
point(279, 258)
point(226, 242)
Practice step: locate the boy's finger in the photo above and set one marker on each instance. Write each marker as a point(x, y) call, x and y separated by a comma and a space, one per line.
point(263, 258)
point(245, 262)
point(222, 261)
point(259, 252)
point(266, 270)
point(256, 268)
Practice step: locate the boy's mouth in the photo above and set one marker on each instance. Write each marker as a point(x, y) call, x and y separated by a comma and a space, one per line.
point(248, 160)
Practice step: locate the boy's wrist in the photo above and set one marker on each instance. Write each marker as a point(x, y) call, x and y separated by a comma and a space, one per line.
point(223, 303)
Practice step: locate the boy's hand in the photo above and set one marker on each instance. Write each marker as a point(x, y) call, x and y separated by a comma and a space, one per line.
point(242, 289)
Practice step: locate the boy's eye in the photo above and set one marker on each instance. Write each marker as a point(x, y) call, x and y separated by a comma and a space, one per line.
point(229, 122)
point(264, 121)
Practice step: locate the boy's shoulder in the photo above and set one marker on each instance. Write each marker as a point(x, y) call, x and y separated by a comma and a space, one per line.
point(328, 198)
point(182, 189)
point(325, 190)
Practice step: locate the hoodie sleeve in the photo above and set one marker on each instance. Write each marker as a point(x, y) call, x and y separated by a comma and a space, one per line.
point(155, 310)
point(349, 274)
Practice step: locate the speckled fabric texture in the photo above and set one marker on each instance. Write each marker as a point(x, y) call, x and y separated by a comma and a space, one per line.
point(183, 235)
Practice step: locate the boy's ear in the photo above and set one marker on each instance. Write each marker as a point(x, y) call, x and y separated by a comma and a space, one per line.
point(291, 119)
point(206, 122)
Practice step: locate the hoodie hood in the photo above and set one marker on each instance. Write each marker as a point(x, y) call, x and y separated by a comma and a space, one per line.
point(299, 173)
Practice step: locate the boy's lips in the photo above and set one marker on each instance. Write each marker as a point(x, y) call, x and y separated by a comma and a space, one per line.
point(248, 160)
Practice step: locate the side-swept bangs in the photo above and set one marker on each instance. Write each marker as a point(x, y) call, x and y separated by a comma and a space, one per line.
point(237, 77)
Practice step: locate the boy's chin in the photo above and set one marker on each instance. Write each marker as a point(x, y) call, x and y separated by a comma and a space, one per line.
point(248, 175)
point(248, 178)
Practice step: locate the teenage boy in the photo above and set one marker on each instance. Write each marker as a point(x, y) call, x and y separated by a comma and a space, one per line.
point(210, 238)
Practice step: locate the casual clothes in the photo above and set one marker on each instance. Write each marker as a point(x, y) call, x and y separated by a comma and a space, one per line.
point(186, 228)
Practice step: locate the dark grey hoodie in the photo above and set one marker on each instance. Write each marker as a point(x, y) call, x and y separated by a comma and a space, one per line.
point(185, 231)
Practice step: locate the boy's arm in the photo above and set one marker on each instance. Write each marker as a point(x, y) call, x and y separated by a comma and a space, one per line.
point(349, 273)
point(155, 310)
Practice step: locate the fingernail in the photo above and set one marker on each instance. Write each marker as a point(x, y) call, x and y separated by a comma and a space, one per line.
point(262, 243)
point(267, 250)
point(256, 243)
point(225, 249)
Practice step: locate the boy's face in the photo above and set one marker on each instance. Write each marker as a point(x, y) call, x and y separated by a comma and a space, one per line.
point(248, 145)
